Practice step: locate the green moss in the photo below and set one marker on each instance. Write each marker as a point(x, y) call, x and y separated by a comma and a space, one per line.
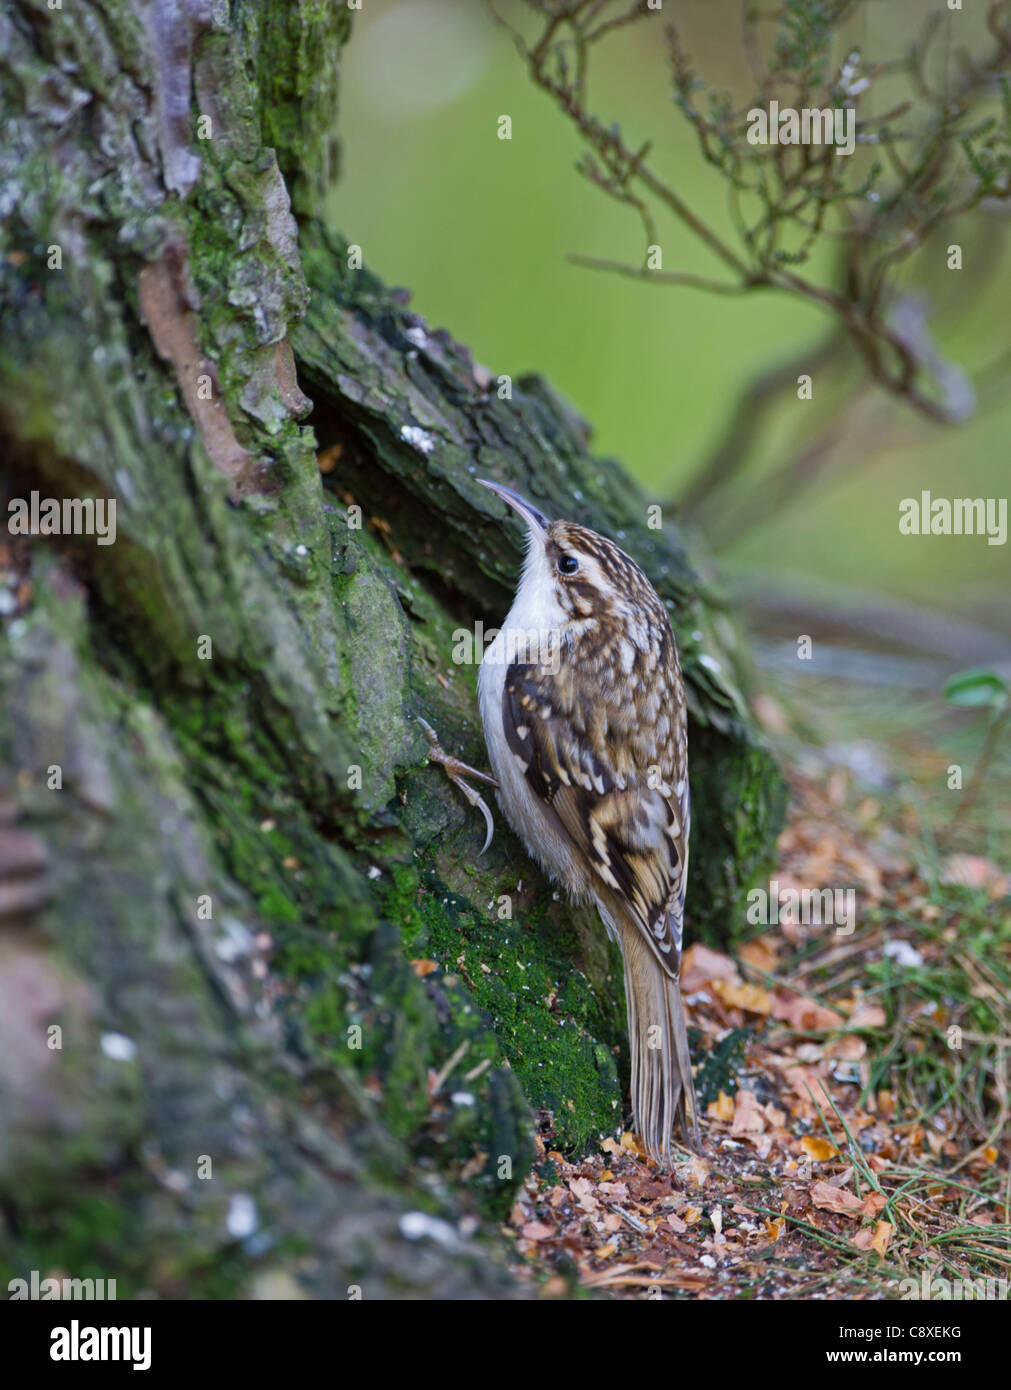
point(518, 978)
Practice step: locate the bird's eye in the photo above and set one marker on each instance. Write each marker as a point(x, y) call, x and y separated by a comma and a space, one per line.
point(567, 564)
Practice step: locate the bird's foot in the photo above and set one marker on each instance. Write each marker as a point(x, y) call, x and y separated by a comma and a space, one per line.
point(456, 771)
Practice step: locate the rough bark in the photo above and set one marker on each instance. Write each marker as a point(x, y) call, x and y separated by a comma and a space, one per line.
point(187, 860)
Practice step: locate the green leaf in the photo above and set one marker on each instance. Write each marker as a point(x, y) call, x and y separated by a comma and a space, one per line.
point(977, 687)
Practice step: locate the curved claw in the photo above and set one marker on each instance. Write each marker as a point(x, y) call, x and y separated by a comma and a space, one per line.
point(488, 822)
point(453, 768)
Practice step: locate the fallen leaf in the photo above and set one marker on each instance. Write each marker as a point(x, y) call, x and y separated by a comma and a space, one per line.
point(722, 1108)
point(700, 964)
point(697, 1170)
point(805, 1015)
point(760, 952)
point(473, 1166)
point(829, 1198)
point(536, 1230)
point(806, 1083)
point(886, 1104)
point(748, 1116)
point(327, 461)
point(631, 1142)
point(818, 1150)
point(422, 968)
point(867, 1016)
point(582, 1190)
point(975, 871)
point(775, 1228)
point(882, 1236)
point(753, 999)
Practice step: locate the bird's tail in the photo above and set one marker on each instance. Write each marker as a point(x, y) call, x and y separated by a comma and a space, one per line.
point(662, 1086)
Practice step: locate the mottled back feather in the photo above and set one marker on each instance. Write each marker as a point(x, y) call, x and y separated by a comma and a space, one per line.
point(603, 738)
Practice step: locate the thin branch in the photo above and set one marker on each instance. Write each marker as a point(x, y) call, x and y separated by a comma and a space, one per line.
point(663, 277)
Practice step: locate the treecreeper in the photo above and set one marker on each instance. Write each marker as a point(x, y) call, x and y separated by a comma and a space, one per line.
point(584, 712)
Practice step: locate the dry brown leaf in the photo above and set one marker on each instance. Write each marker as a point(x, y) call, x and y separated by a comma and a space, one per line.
point(753, 999)
point(422, 968)
point(631, 1142)
point(473, 1166)
point(806, 1083)
point(582, 1190)
point(697, 1171)
point(805, 1015)
point(882, 1235)
point(748, 1116)
point(886, 1104)
point(760, 952)
point(818, 1150)
point(722, 1108)
point(537, 1230)
point(975, 871)
point(867, 1016)
point(700, 964)
point(837, 1199)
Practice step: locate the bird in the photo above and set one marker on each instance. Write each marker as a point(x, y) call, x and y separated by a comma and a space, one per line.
point(585, 720)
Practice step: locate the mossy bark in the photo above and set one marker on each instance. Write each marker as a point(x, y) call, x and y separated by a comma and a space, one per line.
point(221, 847)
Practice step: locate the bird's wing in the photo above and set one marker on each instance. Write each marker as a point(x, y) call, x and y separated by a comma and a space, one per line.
point(616, 779)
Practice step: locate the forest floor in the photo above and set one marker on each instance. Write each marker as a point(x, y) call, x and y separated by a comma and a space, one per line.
point(852, 1077)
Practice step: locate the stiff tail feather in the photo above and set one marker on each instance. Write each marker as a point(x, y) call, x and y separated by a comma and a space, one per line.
point(662, 1085)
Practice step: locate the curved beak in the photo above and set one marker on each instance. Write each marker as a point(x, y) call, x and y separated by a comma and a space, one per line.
point(536, 520)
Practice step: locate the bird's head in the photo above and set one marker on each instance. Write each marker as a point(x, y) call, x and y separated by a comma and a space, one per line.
point(571, 573)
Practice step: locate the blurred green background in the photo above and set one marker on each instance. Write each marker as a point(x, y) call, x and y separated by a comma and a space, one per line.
point(479, 228)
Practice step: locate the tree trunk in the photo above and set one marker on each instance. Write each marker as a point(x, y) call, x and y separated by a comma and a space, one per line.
point(266, 1022)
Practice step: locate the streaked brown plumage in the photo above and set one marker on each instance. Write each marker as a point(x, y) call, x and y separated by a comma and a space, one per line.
point(583, 707)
